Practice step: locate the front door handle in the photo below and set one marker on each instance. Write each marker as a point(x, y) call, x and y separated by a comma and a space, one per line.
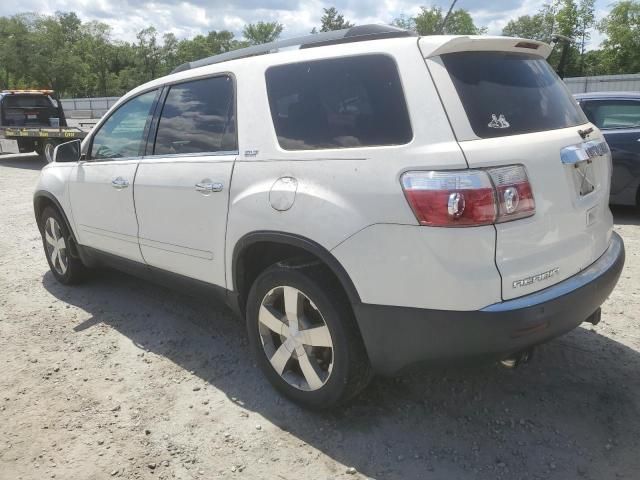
point(119, 183)
point(206, 187)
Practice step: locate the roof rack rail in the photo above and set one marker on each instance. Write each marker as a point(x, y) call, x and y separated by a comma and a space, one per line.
point(358, 33)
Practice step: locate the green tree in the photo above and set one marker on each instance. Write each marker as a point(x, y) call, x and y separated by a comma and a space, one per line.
point(54, 59)
point(430, 22)
point(96, 50)
point(15, 45)
point(169, 52)
point(262, 32)
point(148, 53)
point(405, 22)
point(622, 45)
point(564, 17)
point(526, 26)
point(586, 23)
point(540, 26)
point(332, 20)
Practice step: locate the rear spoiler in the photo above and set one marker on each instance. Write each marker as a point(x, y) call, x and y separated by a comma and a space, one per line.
point(439, 45)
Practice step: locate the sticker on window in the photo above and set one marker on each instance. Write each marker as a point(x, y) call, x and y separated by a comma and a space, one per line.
point(498, 121)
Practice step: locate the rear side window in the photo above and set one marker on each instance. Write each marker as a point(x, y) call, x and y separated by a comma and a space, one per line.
point(338, 103)
point(610, 114)
point(197, 117)
point(511, 93)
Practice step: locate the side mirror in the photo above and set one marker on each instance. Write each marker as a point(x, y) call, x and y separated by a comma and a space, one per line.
point(67, 152)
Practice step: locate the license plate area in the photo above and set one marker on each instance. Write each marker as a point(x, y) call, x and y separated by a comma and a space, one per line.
point(581, 159)
point(584, 177)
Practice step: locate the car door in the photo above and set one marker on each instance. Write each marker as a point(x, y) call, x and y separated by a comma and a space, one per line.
point(182, 185)
point(101, 188)
point(619, 120)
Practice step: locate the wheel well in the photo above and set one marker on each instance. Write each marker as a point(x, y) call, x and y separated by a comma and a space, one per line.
point(258, 256)
point(43, 201)
point(39, 204)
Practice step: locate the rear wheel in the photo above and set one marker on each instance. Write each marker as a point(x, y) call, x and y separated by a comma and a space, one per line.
point(57, 239)
point(304, 336)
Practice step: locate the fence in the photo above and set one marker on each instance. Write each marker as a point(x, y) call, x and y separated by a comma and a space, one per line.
point(87, 107)
point(604, 83)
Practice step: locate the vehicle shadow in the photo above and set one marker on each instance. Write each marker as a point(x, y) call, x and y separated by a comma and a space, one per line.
point(28, 161)
point(623, 215)
point(573, 412)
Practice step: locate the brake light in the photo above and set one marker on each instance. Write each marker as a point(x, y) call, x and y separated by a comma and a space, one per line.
point(465, 198)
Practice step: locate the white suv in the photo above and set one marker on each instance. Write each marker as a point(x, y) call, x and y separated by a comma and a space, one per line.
point(366, 199)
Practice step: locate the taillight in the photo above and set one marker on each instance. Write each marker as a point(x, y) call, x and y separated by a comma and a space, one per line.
point(464, 198)
point(513, 191)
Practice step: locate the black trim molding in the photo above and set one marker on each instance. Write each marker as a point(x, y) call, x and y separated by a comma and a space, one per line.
point(302, 243)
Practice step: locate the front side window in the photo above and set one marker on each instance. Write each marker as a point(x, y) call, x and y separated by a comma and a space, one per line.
point(338, 103)
point(123, 134)
point(511, 93)
point(197, 117)
point(612, 114)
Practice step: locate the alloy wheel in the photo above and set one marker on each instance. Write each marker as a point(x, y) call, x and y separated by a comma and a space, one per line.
point(56, 246)
point(295, 338)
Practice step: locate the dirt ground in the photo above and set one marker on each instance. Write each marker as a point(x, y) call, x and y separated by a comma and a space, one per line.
point(118, 378)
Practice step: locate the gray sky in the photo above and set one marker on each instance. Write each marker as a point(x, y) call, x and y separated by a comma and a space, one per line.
point(188, 18)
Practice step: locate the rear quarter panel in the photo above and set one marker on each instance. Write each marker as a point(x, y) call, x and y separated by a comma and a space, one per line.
point(342, 192)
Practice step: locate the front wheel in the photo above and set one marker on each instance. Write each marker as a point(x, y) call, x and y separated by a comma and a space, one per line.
point(305, 339)
point(56, 238)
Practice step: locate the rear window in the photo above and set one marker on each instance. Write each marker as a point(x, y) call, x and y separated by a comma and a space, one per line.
point(338, 103)
point(27, 101)
point(511, 93)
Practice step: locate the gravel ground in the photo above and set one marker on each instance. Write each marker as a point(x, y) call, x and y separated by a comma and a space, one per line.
point(118, 378)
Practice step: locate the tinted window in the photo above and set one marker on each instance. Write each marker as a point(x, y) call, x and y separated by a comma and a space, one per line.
point(510, 93)
point(123, 134)
point(27, 101)
point(338, 103)
point(607, 114)
point(197, 117)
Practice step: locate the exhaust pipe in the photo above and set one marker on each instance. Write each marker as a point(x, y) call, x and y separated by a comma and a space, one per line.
point(518, 359)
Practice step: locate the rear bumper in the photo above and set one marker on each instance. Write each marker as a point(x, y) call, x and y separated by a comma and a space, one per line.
point(397, 337)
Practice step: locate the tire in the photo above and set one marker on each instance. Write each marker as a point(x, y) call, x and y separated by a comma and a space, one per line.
point(26, 145)
point(56, 239)
point(47, 150)
point(321, 362)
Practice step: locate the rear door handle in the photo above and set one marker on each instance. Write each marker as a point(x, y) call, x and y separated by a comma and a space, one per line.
point(207, 187)
point(119, 183)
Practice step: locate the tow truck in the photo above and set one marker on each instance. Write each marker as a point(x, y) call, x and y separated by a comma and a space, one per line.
point(36, 120)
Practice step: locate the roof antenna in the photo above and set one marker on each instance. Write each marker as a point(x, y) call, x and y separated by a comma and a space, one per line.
point(446, 18)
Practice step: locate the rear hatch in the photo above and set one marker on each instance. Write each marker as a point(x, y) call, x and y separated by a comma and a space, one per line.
point(27, 110)
point(507, 106)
